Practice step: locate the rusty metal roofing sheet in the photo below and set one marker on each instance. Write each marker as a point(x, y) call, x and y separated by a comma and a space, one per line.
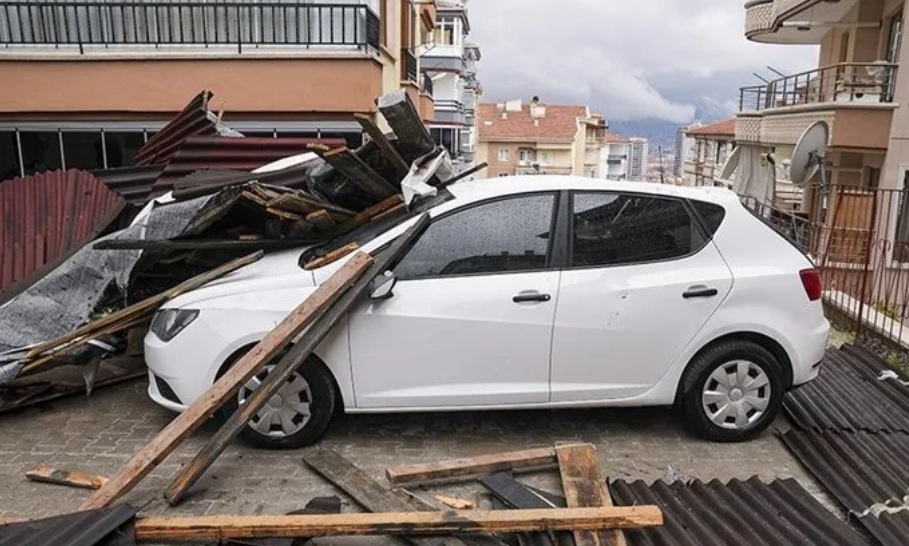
point(44, 217)
point(194, 119)
point(890, 529)
point(848, 394)
point(738, 512)
point(860, 469)
point(133, 184)
point(77, 529)
point(230, 153)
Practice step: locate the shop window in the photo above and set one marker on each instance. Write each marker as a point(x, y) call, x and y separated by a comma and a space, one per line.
point(83, 150)
point(40, 151)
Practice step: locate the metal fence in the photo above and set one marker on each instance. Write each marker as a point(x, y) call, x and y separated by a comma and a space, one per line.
point(859, 238)
point(843, 82)
point(61, 23)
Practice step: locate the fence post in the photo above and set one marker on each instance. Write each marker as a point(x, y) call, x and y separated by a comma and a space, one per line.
point(868, 250)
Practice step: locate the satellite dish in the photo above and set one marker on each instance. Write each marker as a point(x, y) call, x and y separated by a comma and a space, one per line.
point(809, 153)
point(731, 164)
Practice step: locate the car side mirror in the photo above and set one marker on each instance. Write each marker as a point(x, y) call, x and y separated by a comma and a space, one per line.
point(383, 286)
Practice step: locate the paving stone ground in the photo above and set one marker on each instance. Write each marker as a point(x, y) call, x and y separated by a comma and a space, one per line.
point(99, 434)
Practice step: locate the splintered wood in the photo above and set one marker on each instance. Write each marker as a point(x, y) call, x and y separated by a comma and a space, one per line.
point(71, 478)
point(585, 486)
point(528, 459)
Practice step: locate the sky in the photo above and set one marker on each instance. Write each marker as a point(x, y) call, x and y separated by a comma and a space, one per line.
point(673, 60)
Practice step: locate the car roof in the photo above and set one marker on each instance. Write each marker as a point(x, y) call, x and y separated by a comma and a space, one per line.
point(495, 187)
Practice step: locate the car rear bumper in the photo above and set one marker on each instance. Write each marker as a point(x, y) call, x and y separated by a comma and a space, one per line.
point(812, 346)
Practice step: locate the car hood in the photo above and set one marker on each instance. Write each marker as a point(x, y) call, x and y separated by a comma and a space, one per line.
point(275, 271)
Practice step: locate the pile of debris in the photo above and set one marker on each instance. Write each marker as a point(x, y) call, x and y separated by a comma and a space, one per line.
point(200, 196)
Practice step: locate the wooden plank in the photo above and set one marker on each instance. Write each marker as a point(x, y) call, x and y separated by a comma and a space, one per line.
point(455, 502)
point(141, 308)
point(280, 213)
point(253, 198)
point(321, 219)
point(331, 257)
point(414, 140)
point(72, 478)
point(359, 173)
point(385, 146)
point(251, 363)
point(463, 174)
point(411, 523)
point(369, 213)
point(294, 358)
point(585, 487)
point(393, 210)
point(469, 467)
point(304, 204)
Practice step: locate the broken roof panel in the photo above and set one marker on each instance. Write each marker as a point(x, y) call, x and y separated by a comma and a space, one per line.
point(47, 216)
point(133, 184)
point(86, 528)
point(230, 154)
point(739, 512)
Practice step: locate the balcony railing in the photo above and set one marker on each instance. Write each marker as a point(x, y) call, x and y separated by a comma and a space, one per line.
point(409, 66)
point(59, 23)
point(843, 82)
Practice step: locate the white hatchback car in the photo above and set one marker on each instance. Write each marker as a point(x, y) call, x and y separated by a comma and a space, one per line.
point(527, 292)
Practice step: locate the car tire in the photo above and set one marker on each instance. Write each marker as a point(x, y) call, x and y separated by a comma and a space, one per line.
point(311, 387)
point(732, 391)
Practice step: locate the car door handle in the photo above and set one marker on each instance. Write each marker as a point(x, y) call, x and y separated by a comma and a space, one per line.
point(700, 291)
point(530, 296)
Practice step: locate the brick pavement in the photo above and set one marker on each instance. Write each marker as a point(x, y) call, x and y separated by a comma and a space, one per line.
point(100, 433)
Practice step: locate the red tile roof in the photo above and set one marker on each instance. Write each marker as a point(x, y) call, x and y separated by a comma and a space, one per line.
point(560, 123)
point(722, 129)
point(610, 137)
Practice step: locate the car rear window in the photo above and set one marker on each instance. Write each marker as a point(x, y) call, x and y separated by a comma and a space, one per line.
point(711, 215)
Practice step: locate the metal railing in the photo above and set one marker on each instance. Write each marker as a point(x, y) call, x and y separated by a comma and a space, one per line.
point(59, 23)
point(408, 66)
point(859, 238)
point(843, 82)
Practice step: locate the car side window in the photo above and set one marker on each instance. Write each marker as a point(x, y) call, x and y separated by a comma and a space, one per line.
point(616, 228)
point(506, 235)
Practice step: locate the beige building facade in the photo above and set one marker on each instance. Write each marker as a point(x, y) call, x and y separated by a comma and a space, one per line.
point(517, 138)
point(85, 75)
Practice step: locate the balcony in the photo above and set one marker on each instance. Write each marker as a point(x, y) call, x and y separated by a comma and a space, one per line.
point(857, 96)
point(793, 21)
point(409, 70)
point(80, 26)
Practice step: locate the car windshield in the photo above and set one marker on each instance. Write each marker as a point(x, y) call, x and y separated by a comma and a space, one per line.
point(370, 230)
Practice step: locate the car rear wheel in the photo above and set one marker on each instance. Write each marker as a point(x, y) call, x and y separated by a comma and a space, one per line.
point(297, 415)
point(732, 391)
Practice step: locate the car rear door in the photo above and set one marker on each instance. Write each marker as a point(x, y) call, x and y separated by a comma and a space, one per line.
point(470, 321)
point(642, 279)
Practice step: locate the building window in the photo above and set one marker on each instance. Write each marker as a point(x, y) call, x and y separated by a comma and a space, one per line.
point(524, 156)
point(40, 151)
point(83, 150)
point(445, 31)
point(503, 175)
point(544, 158)
point(894, 39)
point(504, 154)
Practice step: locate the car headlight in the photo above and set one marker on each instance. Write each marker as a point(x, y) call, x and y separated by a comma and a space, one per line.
point(167, 323)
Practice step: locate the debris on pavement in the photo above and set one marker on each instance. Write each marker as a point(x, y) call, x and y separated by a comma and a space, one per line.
point(72, 478)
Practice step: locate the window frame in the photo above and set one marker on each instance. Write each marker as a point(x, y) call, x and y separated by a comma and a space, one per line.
point(507, 154)
point(568, 239)
point(554, 239)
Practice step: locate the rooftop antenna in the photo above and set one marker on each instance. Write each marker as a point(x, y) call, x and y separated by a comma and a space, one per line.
point(775, 71)
point(762, 78)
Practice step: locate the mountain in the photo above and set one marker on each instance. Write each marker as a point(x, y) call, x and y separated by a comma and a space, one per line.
point(658, 132)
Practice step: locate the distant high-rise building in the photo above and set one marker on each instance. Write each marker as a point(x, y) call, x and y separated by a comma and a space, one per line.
point(637, 158)
point(683, 147)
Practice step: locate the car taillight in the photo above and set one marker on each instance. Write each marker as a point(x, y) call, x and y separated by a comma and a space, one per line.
point(811, 280)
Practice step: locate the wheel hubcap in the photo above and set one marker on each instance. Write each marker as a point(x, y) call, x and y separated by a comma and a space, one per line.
point(287, 412)
point(736, 394)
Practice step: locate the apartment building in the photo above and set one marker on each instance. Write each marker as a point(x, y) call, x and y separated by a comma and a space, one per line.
point(623, 158)
point(448, 61)
point(85, 83)
point(683, 146)
point(709, 147)
point(515, 137)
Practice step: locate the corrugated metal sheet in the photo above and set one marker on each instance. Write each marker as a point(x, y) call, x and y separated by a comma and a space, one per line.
point(46, 216)
point(194, 119)
point(738, 512)
point(133, 184)
point(860, 469)
point(230, 153)
point(848, 395)
point(77, 529)
point(888, 529)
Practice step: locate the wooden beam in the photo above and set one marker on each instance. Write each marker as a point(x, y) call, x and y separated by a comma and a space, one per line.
point(369, 213)
point(359, 173)
point(71, 478)
point(469, 467)
point(331, 257)
point(414, 140)
point(321, 219)
point(227, 385)
point(385, 146)
point(291, 361)
point(585, 487)
point(142, 308)
point(411, 523)
point(455, 502)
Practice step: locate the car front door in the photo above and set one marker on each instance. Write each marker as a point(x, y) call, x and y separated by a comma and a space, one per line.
point(470, 320)
point(643, 278)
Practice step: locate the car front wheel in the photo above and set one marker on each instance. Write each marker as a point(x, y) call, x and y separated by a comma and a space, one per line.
point(732, 391)
point(297, 415)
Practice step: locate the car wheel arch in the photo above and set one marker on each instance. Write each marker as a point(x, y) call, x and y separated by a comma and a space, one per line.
point(773, 346)
point(240, 351)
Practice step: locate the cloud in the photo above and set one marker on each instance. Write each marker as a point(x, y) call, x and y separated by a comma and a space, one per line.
point(629, 59)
